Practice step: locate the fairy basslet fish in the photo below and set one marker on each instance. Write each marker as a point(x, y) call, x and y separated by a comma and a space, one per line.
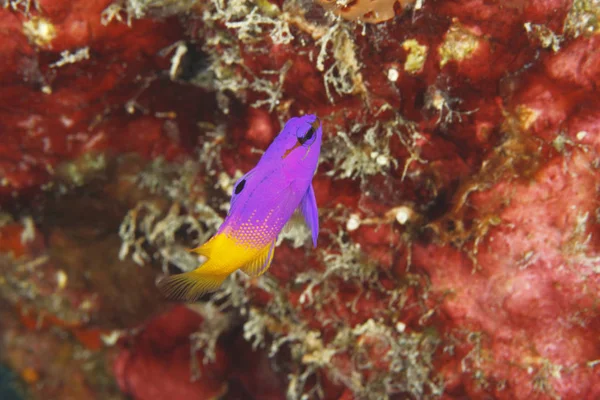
point(262, 202)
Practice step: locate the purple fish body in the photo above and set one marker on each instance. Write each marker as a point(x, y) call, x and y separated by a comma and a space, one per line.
point(266, 197)
point(262, 202)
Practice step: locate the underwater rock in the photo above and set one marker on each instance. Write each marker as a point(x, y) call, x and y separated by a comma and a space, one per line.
point(62, 267)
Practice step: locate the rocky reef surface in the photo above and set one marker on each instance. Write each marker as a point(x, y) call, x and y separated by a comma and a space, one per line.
point(459, 254)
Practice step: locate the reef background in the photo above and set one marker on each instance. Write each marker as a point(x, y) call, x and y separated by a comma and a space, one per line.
point(459, 255)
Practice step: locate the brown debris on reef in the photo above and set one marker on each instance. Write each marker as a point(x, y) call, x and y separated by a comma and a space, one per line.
point(366, 11)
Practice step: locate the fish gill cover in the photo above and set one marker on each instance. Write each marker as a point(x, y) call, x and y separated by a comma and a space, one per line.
point(458, 252)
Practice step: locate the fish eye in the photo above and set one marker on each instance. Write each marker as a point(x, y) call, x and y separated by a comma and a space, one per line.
point(308, 136)
point(240, 186)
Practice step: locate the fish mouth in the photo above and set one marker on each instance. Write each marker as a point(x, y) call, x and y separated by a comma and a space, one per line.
point(314, 125)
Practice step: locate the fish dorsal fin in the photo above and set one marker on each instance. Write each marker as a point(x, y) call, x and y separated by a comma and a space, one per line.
point(308, 207)
point(261, 263)
point(241, 185)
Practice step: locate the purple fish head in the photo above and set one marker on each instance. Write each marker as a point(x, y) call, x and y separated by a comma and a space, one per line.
point(298, 145)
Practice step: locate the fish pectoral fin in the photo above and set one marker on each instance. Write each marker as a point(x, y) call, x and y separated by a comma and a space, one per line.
point(191, 285)
point(308, 207)
point(296, 219)
point(261, 263)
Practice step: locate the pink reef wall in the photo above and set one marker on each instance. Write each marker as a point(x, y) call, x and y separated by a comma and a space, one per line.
point(459, 255)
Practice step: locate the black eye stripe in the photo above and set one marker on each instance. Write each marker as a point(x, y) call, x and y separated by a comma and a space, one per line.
point(310, 133)
point(307, 136)
point(240, 186)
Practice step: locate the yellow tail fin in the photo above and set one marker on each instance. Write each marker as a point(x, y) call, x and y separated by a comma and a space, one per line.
point(190, 285)
point(206, 249)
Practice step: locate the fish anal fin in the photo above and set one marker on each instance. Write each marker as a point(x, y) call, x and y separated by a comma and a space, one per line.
point(191, 285)
point(261, 263)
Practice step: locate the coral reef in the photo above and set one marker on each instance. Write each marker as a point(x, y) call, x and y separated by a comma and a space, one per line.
point(458, 191)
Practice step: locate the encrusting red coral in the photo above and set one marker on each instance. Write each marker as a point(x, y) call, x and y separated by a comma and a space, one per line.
point(157, 362)
point(529, 299)
point(73, 84)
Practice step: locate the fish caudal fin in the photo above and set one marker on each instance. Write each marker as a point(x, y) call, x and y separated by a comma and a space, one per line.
point(261, 263)
point(206, 249)
point(190, 285)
